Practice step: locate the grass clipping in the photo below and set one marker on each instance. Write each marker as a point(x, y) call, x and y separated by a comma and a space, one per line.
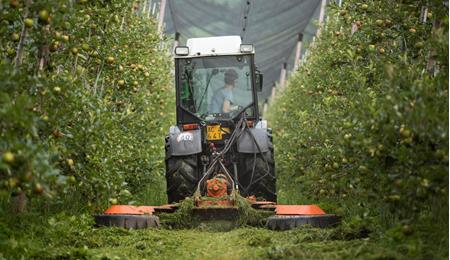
point(184, 217)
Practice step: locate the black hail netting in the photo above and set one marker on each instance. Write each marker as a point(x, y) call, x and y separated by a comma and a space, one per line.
point(271, 25)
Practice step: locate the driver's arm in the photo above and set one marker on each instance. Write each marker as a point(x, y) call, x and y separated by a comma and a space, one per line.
point(226, 108)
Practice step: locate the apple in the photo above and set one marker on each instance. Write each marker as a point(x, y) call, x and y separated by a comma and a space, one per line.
point(43, 16)
point(8, 157)
point(404, 132)
point(70, 162)
point(28, 22)
point(419, 45)
point(110, 59)
point(72, 179)
point(10, 51)
point(58, 36)
point(407, 230)
point(15, 37)
point(12, 182)
point(113, 201)
point(38, 188)
point(74, 50)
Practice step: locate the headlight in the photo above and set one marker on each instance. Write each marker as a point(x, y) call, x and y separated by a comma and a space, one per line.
point(246, 48)
point(181, 50)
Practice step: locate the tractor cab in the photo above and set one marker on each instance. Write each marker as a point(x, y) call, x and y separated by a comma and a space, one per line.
point(213, 71)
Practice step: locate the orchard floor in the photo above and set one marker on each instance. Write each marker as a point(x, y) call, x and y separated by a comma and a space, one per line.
point(73, 237)
point(242, 243)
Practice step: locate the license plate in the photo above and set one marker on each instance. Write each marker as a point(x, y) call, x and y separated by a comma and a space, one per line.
point(214, 132)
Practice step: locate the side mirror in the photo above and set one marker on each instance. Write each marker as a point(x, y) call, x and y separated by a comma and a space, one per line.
point(259, 80)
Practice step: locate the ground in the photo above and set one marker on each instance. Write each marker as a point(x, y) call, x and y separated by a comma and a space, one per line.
point(74, 237)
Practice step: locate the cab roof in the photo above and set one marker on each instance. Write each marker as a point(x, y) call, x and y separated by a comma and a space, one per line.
point(212, 46)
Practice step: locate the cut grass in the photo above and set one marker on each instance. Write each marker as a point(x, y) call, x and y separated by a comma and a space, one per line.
point(74, 237)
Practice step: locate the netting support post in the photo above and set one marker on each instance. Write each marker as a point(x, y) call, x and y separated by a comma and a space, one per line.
point(321, 17)
point(265, 107)
point(298, 51)
point(274, 90)
point(176, 41)
point(283, 75)
point(162, 11)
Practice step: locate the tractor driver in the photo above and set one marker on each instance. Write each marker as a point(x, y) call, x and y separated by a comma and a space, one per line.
point(222, 101)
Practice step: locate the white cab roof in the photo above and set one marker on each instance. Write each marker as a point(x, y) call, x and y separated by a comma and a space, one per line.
point(214, 45)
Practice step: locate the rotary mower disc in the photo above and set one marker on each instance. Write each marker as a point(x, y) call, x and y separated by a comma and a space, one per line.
point(127, 221)
point(286, 222)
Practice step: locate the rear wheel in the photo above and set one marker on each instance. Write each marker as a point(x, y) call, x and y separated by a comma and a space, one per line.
point(257, 175)
point(181, 177)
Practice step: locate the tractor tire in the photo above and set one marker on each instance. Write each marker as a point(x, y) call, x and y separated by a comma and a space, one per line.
point(263, 183)
point(182, 176)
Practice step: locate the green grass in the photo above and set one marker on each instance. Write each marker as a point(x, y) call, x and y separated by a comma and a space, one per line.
point(63, 236)
point(71, 237)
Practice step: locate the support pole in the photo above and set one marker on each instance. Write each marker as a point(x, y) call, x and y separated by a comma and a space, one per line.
point(272, 96)
point(144, 8)
point(162, 10)
point(176, 41)
point(283, 75)
point(321, 17)
point(298, 51)
point(265, 107)
point(153, 8)
point(149, 8)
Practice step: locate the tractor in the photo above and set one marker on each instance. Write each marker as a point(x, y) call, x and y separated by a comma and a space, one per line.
point(220, 150)
point(211, 139)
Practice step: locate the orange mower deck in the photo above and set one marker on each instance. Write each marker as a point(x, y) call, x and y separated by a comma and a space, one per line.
point(285, 217)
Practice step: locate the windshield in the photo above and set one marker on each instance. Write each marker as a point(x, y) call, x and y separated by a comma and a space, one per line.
point(216, 87)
